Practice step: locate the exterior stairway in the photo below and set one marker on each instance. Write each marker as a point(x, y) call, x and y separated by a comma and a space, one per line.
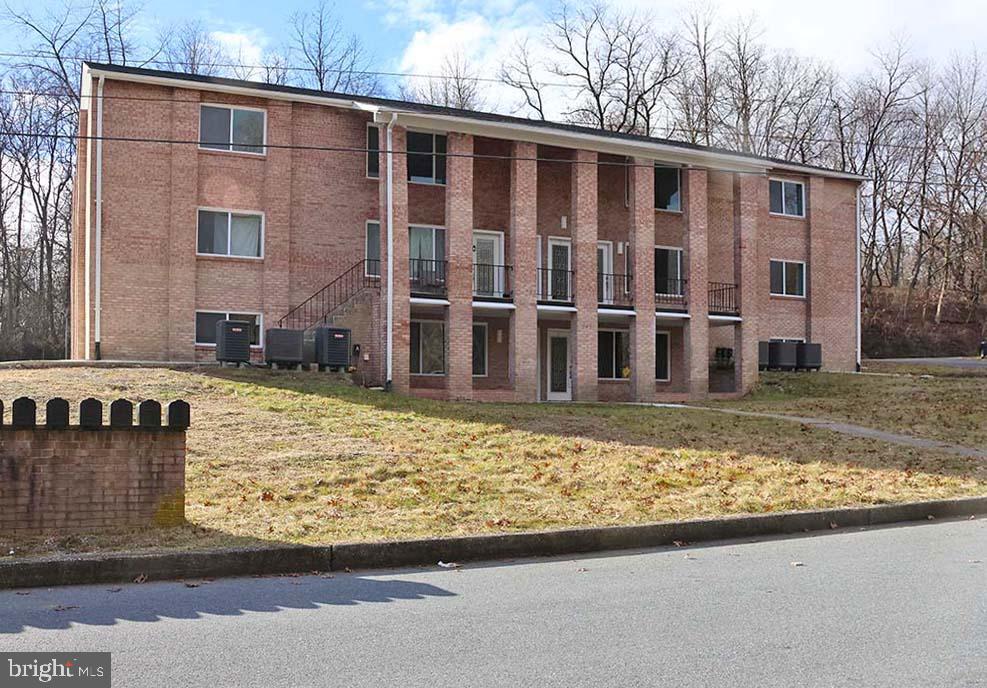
point(324, 304)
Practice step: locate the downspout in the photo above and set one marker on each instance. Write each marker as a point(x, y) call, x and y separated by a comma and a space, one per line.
point(99, 214)
point(390, 249)
point(87, 289)
point(858, 279)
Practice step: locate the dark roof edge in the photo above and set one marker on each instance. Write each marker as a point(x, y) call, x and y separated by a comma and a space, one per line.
point(488, 117)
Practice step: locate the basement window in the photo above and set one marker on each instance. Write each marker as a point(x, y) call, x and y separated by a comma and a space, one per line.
point(787, 198)
point(205, 326)
point(227, 233)
point(428, 347)
point(787, 278)
point(613, 355)
point(426, 158)
point(240, 130)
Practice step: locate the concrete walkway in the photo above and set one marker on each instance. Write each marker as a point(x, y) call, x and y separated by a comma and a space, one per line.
point(849, 429)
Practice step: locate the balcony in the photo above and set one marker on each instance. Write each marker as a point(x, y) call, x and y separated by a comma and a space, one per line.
point(428, 277)
point(492, 282)
point(554, 285)
point(614, 290)
point(723, 299)
point(670, 294)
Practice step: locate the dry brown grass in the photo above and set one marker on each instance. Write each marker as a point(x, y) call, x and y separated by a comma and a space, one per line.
point(948, 408)
point(293, 457)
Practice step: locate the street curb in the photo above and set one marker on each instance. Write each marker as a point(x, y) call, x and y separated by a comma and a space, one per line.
point(373, 555)
point(127, 567)
point(124, 567)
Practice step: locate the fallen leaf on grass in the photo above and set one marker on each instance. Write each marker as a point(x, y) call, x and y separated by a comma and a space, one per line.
point(114, 589)
point(680, 543)
point(141, 579)
point(581, 570)
point(190, 584)
point(797, 563)
point(449, 565)
point(64, 607)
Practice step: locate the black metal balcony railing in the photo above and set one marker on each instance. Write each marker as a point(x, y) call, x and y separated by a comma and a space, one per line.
point(428, 277)
point(492, 281)
point(614, 290)
point(723, 298)
point(554, 285)
point(670, 292)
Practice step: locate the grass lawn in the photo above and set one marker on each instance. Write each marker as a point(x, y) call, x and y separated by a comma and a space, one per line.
point(296, 457)
point(950, 408)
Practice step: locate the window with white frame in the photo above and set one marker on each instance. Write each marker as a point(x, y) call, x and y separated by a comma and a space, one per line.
point(613, 355)
point(372, 249)
point(663, 357)
point(668, 271)
point(479, 349)
point(241, 130)
point(787, 278)
point(228, 233)
point(428, 347)
point(426, 158)
point(787, 198)
point(668, 194)
point(373, 151)
point(205, 326)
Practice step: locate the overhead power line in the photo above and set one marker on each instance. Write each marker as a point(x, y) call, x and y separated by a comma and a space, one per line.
point(773, 137)
point(478, 156)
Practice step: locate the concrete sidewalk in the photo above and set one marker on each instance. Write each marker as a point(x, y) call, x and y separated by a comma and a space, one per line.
point(849, 429)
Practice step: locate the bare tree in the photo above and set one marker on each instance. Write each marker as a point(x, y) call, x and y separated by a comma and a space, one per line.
point(334, 60)
point(456, 85)
point(521, 74)
point(189, 47)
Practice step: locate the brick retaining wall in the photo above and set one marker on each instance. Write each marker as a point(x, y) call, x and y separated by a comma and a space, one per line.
point(91, 477)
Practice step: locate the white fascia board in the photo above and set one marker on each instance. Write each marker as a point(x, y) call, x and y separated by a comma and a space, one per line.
point(726, 318)
point(494, 306)
point(85, 89)
point(247, 91)
point(424, 301)
point(616, 311)
point(676, 315)
point(549, 308)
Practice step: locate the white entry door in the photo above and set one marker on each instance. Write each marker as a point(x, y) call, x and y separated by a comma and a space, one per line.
point(488, 264)
point(557, 363)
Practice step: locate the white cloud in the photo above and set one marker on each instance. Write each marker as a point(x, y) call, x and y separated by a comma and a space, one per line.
point(244, 46)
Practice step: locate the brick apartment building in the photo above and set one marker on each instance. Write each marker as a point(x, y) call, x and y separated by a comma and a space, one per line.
point(472, 255)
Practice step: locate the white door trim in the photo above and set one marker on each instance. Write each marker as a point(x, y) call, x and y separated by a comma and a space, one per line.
point(549, 394)
point(606, 269)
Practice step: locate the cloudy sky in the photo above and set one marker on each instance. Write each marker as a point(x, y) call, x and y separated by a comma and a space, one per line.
point(416, 35)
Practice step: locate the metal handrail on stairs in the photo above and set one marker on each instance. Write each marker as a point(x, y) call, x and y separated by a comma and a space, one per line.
point(317, 308)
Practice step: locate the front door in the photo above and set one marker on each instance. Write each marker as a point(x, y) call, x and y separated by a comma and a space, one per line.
point(488, 279)
point(559, 282)
point(557, 365)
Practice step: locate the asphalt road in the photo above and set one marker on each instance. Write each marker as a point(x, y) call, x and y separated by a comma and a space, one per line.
point(892, 607)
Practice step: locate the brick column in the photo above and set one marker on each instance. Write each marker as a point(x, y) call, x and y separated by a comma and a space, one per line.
point(816, 230)
point(524, 221)
point(459, 230)
point(696, 248)
point(277, 216)
point(182, 239)
point(642, 247)
point(750, 196)
point(402, 293)
point(583, 224)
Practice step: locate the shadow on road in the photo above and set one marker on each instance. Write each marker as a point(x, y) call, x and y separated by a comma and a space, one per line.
point(60, 608)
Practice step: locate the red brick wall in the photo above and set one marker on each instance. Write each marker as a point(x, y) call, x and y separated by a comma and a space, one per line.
point(90, 481)
point(316, 205)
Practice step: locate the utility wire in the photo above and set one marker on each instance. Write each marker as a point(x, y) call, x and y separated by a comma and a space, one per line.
point(274, 103)
point(478, 156)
